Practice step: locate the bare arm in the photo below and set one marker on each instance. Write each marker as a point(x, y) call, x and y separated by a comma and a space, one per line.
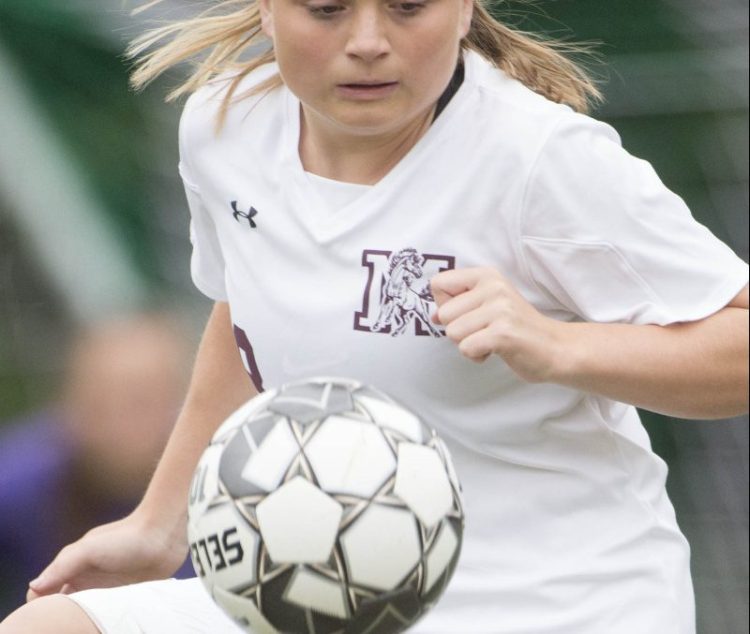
point(691, 370)
point(218, 386)
point(151, 542)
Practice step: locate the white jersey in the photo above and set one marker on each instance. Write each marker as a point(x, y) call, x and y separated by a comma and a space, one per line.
point(568, 525)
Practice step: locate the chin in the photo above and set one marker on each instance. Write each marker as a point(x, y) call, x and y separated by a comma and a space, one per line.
point(372, 123)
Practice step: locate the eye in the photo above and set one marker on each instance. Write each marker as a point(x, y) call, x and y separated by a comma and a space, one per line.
point(325, 11)
point(408, 8)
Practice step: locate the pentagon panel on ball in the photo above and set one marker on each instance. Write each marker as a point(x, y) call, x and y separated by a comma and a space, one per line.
point(325, 507)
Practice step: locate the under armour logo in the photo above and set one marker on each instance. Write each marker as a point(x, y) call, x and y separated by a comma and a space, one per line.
point(247, 215)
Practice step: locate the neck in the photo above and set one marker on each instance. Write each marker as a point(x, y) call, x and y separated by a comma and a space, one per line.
point(356, 158)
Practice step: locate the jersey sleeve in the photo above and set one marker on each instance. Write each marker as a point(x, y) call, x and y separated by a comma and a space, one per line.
point(207, 265)
point(602, 236)
point(207, 261)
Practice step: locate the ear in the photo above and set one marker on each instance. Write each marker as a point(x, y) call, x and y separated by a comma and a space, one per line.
point(467, 11)
point(266, 17)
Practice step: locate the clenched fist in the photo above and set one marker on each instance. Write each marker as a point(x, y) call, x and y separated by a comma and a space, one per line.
point(484, 314)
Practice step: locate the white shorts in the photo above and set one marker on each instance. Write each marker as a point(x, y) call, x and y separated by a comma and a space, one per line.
point(170, 606)
point(183, 606)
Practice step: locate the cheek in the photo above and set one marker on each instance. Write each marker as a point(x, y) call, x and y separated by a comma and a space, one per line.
point(301, 55)
point(438, 42)
point(434, 56)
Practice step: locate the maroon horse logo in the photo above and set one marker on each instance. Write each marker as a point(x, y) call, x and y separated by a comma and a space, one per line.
point(398, 291)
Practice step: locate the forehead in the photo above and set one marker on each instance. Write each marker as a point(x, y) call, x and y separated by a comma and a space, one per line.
point(362, 3)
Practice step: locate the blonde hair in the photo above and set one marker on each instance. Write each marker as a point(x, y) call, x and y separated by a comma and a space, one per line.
point(227, 38)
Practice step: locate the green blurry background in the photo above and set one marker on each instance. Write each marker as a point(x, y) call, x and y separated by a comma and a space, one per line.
point(93, 220)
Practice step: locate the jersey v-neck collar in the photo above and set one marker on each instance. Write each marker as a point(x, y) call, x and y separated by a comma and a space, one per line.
point(336, 194)
point(325, 225)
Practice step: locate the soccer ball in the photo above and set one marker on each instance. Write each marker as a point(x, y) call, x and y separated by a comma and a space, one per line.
point(325, 507)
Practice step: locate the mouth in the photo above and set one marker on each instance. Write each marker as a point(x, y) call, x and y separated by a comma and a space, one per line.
point(368, 83)
point(367, 89)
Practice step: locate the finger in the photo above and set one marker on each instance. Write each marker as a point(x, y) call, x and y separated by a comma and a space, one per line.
point(458, 306)
point(31, 595)
point(478, 346)
point(456, 281)
point(439, 295)
point(447, 284)
point(466, 325)
point(63, 568)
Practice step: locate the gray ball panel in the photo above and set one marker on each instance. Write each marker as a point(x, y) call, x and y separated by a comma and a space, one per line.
point(259, 427)
point(306, 403)
point(233, 460)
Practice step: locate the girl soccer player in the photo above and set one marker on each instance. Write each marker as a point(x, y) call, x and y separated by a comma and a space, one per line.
point(407, 193)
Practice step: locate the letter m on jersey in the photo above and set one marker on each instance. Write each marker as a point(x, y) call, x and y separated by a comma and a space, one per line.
point(397, 298)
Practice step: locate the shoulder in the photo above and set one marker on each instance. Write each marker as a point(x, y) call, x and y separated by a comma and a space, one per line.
point(201, 111)
point(253, 110)
point(522, 118)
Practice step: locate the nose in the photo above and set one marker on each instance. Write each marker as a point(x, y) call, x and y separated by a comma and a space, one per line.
point(368, 39)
